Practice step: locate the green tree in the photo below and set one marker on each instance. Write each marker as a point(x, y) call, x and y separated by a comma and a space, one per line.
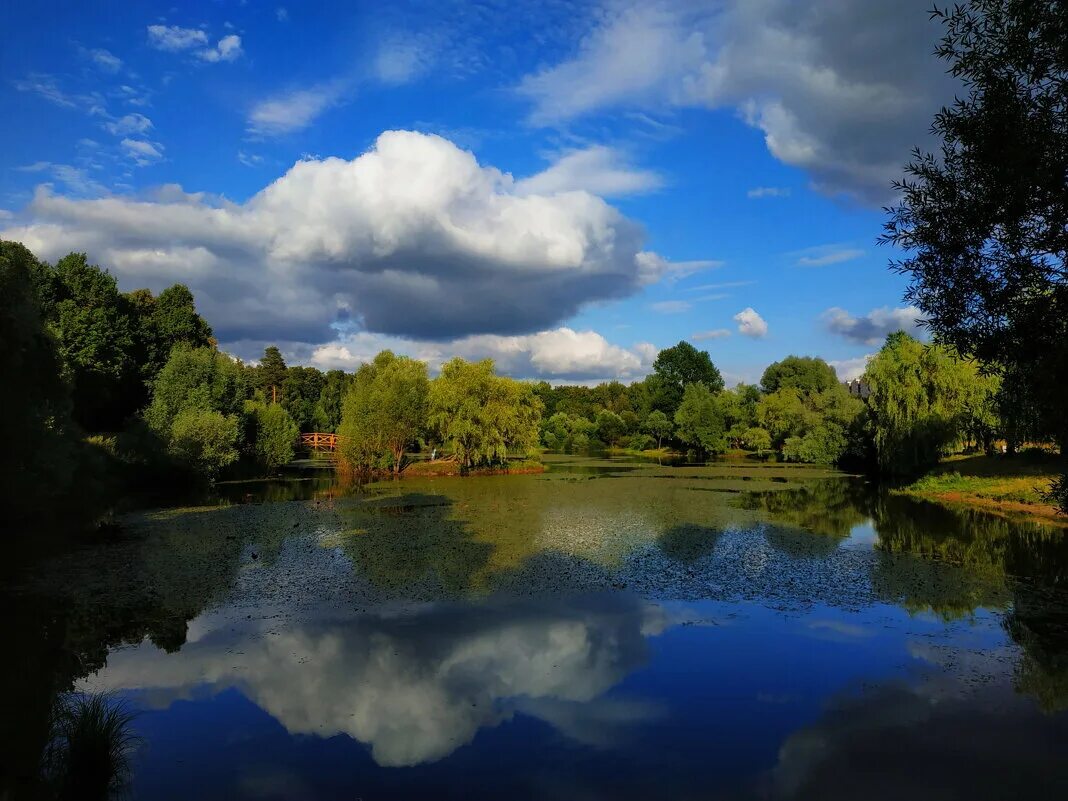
point(384, 411)
point(659, 426)
point(271, 374)
point(275, 433)
point(332, 397)
point(610, 427)
point(804, 373)
point(481, 416)
point(678, 366)
point(300, 394)
point(757, 439)
point(984, 223)
point(196, 378)
point(204, 440)
point(96, 338)
point(920, 402)
point(699, 420)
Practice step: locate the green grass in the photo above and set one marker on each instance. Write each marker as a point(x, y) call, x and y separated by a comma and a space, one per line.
point(990, 480)
point(92, 741)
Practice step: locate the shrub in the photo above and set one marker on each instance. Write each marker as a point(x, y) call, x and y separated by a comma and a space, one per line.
point(205, 441)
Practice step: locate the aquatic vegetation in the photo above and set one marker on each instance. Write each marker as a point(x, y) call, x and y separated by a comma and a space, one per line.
point(92, 742)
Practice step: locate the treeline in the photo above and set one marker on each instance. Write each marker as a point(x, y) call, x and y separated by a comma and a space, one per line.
point(108, 393)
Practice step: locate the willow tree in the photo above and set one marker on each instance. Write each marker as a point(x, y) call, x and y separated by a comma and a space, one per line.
point(922, 402)
point(384, 411)
point(480, 416)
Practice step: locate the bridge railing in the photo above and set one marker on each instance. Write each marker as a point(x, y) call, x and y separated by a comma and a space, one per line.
point(318, 441)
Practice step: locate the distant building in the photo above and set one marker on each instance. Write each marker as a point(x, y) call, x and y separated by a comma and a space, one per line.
point(858, 388)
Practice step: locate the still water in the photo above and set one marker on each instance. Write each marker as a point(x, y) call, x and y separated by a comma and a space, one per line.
point(608, 629)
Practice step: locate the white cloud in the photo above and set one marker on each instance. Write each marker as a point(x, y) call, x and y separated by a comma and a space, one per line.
point(250, 159)
point(823, 255)
point(75, 179)
point(292, 111)
point(717, 333)
point(671, 306)
point(129, 124)
point(560, 354)
point(400, 60)
point(848, 369)
point(873, 327)
point(840, 88)
point(174, 39)
point(750, 323)
point(281, 14)
point(47, 87)
point(141, 152)
point(767, 191)
point(106, 60)
point(412, 238)
point(413, 687)
point(598, 169)
point(227, 49)
point(654, 268)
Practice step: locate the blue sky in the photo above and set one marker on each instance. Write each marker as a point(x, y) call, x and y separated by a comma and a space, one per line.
point(565, 187)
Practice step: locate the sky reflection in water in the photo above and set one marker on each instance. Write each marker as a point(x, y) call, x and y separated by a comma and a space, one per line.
point(590, 633)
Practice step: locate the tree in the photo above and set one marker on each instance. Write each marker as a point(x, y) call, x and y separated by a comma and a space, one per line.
point(271, 374)
point(659, 426)
point(757, 439)
point(804, 373)
point(699, 420)
point(96, 339)
point(610, 427)
point(681, 365)
point(384, 411)
point(300, 393)
point(195, 378)
point(984, 223)
point(204, 440)
point(332, 396)
point(920, 403)
point(275, 433)
point(481, 416)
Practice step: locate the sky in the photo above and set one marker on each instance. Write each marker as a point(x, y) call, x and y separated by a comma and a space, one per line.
point(565, 187)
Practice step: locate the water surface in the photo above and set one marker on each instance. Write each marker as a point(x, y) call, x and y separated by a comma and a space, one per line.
point(610, 629)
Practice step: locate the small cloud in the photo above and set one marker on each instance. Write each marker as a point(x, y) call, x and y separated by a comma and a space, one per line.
point(653, 267)
point(292, 111)
point(872, 328)
point(722, 285)
point(400, 60)
point(249, 159)
point(106, 60)
point(717, 333)
point(597, 169)
point(175, 39)
point(129, 124)
point(281, 14)
point(75, 179)
point(751, 324)
point(849, 369)
point(671, 306)
point(143, 153)
point(228, 49)
point(823, 255)
point(767, 191)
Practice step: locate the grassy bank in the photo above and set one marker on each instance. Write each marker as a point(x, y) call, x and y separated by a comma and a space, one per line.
point(1006, 485)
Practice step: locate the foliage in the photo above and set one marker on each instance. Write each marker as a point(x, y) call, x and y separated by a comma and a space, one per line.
point(757, 439)
point(678, 366)
point(271, 374)
point(659, 426)
point(983, 222)
point(566, 433)
point(204, 440)
point(335, 386)
point(610, 427)
point(807, 374)
point(92, 742)
point(922, 399)
point(480, 416)
point(274, 435)
point(699, 420)
point(300, 395)
point(196, 378)
point(384, 411)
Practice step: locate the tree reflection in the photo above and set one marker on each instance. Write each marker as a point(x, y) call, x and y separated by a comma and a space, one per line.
point(831, 507)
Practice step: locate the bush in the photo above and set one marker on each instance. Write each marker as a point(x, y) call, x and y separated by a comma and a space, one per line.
point(641, 442)
point(205, 441)
point(275, 434)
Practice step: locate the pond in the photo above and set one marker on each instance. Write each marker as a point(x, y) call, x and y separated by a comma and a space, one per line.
point(608, 629)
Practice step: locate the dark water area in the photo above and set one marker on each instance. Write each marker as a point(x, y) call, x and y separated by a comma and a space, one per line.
point(610, 629)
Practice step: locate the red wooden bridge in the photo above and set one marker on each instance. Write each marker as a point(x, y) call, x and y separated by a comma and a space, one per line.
point(317, 441)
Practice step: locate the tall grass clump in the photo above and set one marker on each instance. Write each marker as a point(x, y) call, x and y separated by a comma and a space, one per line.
point(92, 742)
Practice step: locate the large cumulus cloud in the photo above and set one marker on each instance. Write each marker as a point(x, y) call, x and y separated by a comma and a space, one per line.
point(840, 88)
point(412, 238)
